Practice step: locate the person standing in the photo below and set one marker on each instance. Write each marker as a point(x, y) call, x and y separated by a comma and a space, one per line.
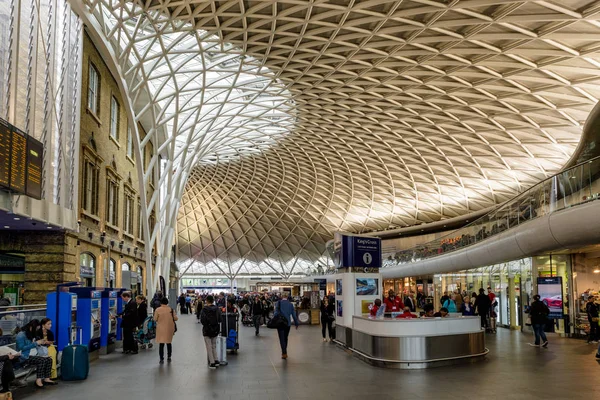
point(286, 309)
point(450, 304)
point(210, 317)
point(198, 308)
point(129, 323)
point(458, 300)
point(327, 318)
point(155, 303)
point(181, 302)
point(410, 302)
point(592, 313)
point(188, 303)
point(482, 305)
point(444, 298)
point(539, 312)
point(165, 329)
point(257, 313)
point(142, 309)
point(393, 303)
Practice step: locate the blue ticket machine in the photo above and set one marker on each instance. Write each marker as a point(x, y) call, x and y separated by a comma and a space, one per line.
point(89, 311)
point(119, 311)
point(62, 310)
point(108, 333)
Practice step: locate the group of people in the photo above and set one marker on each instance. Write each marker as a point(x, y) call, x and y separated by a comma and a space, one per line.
point(35, 347)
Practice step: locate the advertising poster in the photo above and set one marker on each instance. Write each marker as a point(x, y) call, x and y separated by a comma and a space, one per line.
point(365, 306)
point(338, 287)
point(339, 308)
point(367, 286)
point(550, 291)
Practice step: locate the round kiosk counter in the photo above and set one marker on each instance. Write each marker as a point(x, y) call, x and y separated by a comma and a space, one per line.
point(414, 343)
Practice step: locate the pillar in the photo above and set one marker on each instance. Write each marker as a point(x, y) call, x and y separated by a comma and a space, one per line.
point(512, 312)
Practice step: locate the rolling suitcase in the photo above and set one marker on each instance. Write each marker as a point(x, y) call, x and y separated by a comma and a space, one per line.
point(222, 349)
point(75, 363)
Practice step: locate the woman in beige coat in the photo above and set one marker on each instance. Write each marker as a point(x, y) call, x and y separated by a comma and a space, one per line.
point(165, 328)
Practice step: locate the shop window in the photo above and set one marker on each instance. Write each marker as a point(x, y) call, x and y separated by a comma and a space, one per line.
point(91, 174)
point(93, 89)
point(87, 269)
point(114, 118)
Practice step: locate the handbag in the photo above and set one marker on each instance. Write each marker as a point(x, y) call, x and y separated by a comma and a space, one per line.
point(528, 321)
point(278, 321)
point(42, 351)
point(174, 323)
point(6, 396)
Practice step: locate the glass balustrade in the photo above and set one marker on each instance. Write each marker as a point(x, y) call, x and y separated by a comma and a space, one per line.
point(576, 185)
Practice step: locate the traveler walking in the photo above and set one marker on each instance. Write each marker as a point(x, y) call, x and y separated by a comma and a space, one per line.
point(165, 329)
point(257, 313)
point(286, 309)
point(538, 312)
point(327, 318)
point(210, 317)
point(482, 305)
point(129, 323)
point(592, 314)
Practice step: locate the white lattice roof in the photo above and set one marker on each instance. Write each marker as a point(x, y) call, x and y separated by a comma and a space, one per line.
point(378, 113)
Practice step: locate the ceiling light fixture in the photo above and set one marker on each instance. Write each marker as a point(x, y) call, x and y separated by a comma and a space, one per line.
point(6, 226)
point(596, 271)
point(17, 218)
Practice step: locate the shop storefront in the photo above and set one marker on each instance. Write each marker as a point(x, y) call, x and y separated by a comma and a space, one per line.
point(12, 274)
point(510, 282)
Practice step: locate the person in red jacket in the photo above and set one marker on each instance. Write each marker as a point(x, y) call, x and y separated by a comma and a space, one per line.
point(407, 314)
point(393, 303)
point(374, 308)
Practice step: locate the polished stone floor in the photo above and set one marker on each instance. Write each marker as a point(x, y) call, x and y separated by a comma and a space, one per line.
point(317, 370)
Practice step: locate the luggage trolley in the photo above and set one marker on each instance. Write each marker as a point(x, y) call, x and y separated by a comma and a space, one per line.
point(230, 329)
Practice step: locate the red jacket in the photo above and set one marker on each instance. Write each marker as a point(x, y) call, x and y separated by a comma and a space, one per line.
point(395, 305)
point(407, 315)
point(373, 311)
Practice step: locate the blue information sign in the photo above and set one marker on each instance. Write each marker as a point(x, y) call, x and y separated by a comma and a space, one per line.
point(357, 251)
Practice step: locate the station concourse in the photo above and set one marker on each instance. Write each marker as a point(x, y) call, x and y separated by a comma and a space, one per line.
point(420, 179)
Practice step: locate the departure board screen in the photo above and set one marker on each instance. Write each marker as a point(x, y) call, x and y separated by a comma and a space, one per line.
point(18, 158)
point(4, 154)
point(35, 152)
point(21, 161)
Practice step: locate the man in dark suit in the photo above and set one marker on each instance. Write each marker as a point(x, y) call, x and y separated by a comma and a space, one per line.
point(129, 323)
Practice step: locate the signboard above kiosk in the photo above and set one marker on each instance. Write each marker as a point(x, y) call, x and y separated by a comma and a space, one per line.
point(357, 251)
point(21, 161)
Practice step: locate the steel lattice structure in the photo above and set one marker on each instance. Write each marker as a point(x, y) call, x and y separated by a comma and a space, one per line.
point(365, 114)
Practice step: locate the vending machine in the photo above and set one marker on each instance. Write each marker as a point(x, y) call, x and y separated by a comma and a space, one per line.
point(61, 308)
point(89, 314)
point(108, 334)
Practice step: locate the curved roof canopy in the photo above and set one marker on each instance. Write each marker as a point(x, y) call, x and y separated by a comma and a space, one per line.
point(366, 115)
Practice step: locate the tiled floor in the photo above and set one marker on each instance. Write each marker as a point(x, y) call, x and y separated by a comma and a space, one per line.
point(317, 370)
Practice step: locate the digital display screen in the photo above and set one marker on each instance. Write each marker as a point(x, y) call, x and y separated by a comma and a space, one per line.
point(367, 286)
point(21, 161)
